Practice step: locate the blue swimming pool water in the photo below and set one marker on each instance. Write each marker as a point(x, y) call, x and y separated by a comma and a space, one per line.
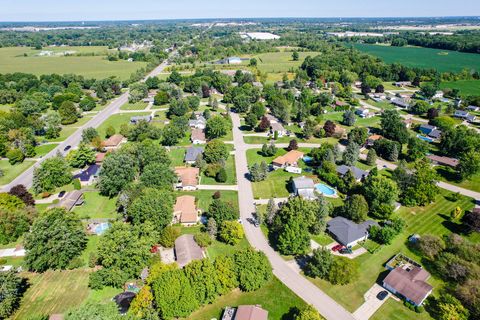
point(425, 138)
point(325, 190)
point(307, 159)
point(102, 227)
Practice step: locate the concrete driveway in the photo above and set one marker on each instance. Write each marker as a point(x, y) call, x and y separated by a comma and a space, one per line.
point(353, 255)
point(371, 304)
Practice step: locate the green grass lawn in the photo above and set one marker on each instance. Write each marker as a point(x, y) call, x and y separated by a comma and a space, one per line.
point(231, 177)
point(274, 62)
point(116, 120)
point(322, 239)
point(262, 140)
point(11, 172)
point(204, 197)
point(80, 122)
point(43, 149)
point(12, 59)
point(64, 134)
point(177, 155)
point(442, 60)
point(134, 106)
point(274, 297)
point(96, 206)
point(53, 292)
point(466, 87)
point(395, 310)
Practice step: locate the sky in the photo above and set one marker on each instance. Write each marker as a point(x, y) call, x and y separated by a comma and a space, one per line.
point(88, 10)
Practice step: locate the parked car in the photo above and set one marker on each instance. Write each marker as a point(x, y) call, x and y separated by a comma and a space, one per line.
point(67, 148)
point(382, 295)
point(61, 193)
point(337, 247)
point(346, 250)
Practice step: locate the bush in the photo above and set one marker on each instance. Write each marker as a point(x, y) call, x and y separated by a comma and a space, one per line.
point(419, 309)
point(76, 184)
point(168, 236)
point(231, 232)
point(15, 156)
point(221, 176)
point(212, 170)
point(217, 195)
point(203, 239)
point(75, 263)
point(409, 305)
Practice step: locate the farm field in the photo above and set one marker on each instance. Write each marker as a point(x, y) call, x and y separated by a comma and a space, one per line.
point(466, 87)
point(23, 59)
point(274, 62)
point(443, 61)
point(11, 172)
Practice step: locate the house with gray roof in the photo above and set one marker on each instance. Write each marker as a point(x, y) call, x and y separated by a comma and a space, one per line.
point(461, 114)
point(399, 102)
point(347, 232)
point(304, 187)
point(358, 173)
point(192, 154)
point(137, 119)
point(186, 250)
point(435, 134)
point(199, 123)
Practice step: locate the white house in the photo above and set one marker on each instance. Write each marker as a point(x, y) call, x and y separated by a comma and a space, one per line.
point(304, 187)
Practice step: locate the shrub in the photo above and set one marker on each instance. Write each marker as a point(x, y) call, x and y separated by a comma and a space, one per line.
point(76, 184)
point(231, 232)
point(221, 176)
point(75, 263)
point(15, 156)
point(203, 239)
point(212, 170)
point(168, 236)
point(217, 195)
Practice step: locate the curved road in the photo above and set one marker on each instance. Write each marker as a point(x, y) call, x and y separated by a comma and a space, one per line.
point(327, 307)
point(26, 177)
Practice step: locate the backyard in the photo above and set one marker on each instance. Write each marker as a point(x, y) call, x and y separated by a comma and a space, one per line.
point(11, 172)
point(96, 206)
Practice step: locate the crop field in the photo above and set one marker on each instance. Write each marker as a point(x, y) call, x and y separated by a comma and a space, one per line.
point(441, 60)
point(23, 59)
point(466, 87)
point(280, 61)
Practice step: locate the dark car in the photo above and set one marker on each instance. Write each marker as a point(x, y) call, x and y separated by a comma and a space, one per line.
point(382, 295)
point(61, 194)
point(67, 148)
point(346, 251)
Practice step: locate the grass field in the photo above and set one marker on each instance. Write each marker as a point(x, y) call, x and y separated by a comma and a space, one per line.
point(11, 172)
point(204, 197)
point(96, 206)
point(443, 61)
point(134, 106)
point(116, 120)
point(274, 62)
point(44, 149)
point(13, 59)
point(177, 155)
point(53, 292)
point(466, 87)
point(274, 297)
point(64, 134)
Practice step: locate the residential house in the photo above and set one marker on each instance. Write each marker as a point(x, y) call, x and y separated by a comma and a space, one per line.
point(400, 102)
point(137, 119)
point(340, 104)
point(402, 84)
point(113, 142)
point(347, 232)
point(233, 60)
point(188, 178)
point(409, 281)
point(304, 187)
point(99, 158)
point(358, 173)
point(245, 312)
point(290, 159)
point(198, 136)
point(408, 123)
point(371, 140)
point(461, 114)
point(278, 128)
point(185, 211)
point(187, 250)
point(443, 161)
point(473, 108)
point(438, 95)
point(435, 134)
point(364, 113)
point(70, 200)
point(471, 118)
point(89, 175)
point(199, 123)
point(426, 129)
point(192, 154)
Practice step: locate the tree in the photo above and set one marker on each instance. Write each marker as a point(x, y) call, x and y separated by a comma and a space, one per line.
point(118, 169)
point(94, 311)
point(142, 304)
point(231, 232)
point(469, 294)
point(68, 112)
point(320, 263)
point(417, 148)
point(293, 238)
point(308, 313)
point(422, 188)
point(432, 113)
point(203, 279)
point(15, 156)
point(253, 269)
point(269, 150)
point(469, 164)
point(87, 103)
point(371, 157)
point(358, 135)
point(241, 103)
point(420, 107)
point(393, 127)
point(258, 109)
point(292, 145)
point(430, 245)
point(215, 151)
point(351, 154)
point(343, 271)
point(428, 89)
point(221, 176)
point(212, 227)
point(329, 128)
point(226, 273)
point(472, 220)
point(355, 208)
point(222, 211)
point(295, 56)
point(158, 175)
point(264, 124)
point(89, 134)
point(57, 237)
point(52, 173)
point(174, 295)
point(168, 236)
point(81, 157)
point(349, 118)
point(380, 193)
point(161, 98)
point(448, 308)
point(251, 120)
point(110, 131)
point(21, 192)
point(253, 62)
point(14, 222)
point(138, 91)
point(52, 123)
point(11, 291)
point(154, 206)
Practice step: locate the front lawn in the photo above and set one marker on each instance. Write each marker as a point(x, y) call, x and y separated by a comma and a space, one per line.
point(274, 297)
point(64, 134)
point(395, 310)
point(134, 106)
point(262, 140)
point(204, 197)
point(449, 175)
point(44, 149)
point(229, 167)
point(96, 206)
point(116, 121)
point(11, 172)
point(177, 155)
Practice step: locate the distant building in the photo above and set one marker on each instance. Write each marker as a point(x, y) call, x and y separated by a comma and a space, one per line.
point(99, 158)
point(199, 123)
point(278, 128)
point(461, 114)
point(289, 159)
point(371, 140)
point(364, 113)
point(89, 175)
point(426, 128)
point(187, 250)
point(409, 281)
point(402, 84)
point(304, 187)
point(444, 161)
point(137, 119)
point(473, 108)
point(400, 102)
point(233, 60)
point(192, 154)
point(347, 232)
point(113, 142)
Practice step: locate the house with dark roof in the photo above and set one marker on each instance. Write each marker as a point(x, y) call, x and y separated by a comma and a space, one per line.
point(137, 119)
point(426, 128)
point(192, 154)
point(89, 175)
point(435, 134)
point(409, 281)
point(358, 173)
point(187, 250)
point(443, 161)
point(473, 108)
point(461, 114)
point(347, 232)
point(304, 187)
point(278, 128)
point(400, 102)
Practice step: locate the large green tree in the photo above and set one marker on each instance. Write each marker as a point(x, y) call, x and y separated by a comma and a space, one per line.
point(355, 208)
point(81, 157)
point(158, 175)
point(217, 127)
point(204, 280)
point(221, 210)
point(380, 193)
point(118, 169)
point(215, 151)
point(393, 127)
point(11, 289)
point(155, 206)
point(52, 173)
point(253, 269)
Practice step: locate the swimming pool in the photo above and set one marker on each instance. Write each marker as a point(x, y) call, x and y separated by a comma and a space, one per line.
point(101, 228)
point(307, 159)
point(425, 138)
point(325, 190)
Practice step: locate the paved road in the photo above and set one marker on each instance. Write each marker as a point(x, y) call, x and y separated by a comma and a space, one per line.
point(25, 177)
point(327, 307)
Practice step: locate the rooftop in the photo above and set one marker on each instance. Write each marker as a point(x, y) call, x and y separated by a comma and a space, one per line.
point(290, 157)
point(187, 250)
point(357, 172)
point(347, 231)
point(409, 282)
point(113, 141)
point(185, 210)
point(192, 153)
point(198, 134)
point(303, 183)
point(188, 175)
point(251, 313)
point(452, 162)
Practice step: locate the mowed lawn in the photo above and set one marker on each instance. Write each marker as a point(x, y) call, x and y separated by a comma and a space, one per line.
point(442, 60)
point(13, 59)
point(466, 87)
point(11, 172)
point(273, 62)
point(43, 149)
point(96, 206)
point(134, 106)
point(274, 297)
point(204, 197)
point(116, 121)
point(53, 292)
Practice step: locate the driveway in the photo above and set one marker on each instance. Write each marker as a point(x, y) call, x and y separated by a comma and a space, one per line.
point(371, 304)
point(353, 255)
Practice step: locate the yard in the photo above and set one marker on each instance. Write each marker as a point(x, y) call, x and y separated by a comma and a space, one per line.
point(64, 134)
point(280, 62)
point(229, 167)
point(11, 172)
point(116, 121)
point(134, 106)
point(274, 297)
point(96, 206)
point(43, 149)
point(177, 155)
point(449, 175)
point(53, 292)
point(204, 197)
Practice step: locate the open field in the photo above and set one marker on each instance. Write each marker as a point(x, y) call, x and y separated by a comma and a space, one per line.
point(442, 60)
point(466, 87)
point(53, 292)
point(204, 197)
point(274, 297)
point(11, 172)
point(64, 134)
point(23, 59)
point(275, 62)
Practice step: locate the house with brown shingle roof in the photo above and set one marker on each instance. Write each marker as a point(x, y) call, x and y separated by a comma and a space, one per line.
point(409, 282)
point(99, 157)
point(198, 136)
point(185, 211)
point(371, 140)
point(113, 142)
point(443, 161)
point(290, 159)
point(187, 250)
point(251, 313)
point(188, 178)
